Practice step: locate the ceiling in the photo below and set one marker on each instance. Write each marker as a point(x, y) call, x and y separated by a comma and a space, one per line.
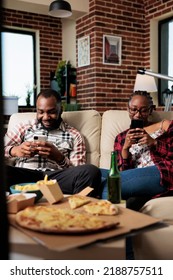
point(79, 7)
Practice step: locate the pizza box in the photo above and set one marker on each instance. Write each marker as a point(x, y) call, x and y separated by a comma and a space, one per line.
point(51, 192)
point(86, 191)
point(129, 222)
point(17, 202)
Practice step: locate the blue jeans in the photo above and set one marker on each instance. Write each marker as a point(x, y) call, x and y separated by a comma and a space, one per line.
point(136, 182)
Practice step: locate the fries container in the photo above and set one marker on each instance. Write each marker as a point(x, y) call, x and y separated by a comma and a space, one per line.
point(51, 190)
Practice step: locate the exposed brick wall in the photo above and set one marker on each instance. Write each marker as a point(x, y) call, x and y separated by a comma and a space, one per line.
point(100, 86)
point(104, 87)
point(50, 38)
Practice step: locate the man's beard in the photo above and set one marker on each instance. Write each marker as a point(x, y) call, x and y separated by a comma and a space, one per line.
point(54, 125)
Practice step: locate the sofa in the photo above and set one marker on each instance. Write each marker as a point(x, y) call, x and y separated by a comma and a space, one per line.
point(99, 133)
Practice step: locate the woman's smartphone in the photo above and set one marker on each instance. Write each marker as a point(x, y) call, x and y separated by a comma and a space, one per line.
point(40, 137)
point(137, 123)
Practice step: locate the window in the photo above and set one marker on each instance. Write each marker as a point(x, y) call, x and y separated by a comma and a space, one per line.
point(19, 65)
point(165, 55)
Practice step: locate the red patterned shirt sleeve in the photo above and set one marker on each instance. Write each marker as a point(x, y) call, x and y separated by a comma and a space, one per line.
point(78, 153)
point(118, 145)
point(162, 155)
point(15, 137)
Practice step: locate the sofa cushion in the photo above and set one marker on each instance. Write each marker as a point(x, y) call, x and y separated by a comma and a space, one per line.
point(88, 122)
point(156, 244)
point(113, 122)
point(161, 208)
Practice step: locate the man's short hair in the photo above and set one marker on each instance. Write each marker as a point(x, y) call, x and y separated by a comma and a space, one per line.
point(49, 93)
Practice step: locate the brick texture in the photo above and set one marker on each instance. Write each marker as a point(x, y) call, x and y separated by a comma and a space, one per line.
point(99, 86)
point(102, 86)
point(50, 30)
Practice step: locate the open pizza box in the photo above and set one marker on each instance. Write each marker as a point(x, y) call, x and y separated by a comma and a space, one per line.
point(53, 193)
point(17, 202)
point(127, 221)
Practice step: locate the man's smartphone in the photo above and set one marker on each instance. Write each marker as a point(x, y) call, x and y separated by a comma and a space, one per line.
point(137, 123)
point(40, 137)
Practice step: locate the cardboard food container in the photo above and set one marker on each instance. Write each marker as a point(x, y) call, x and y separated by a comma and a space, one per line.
point(51, 190)
point(17, 202)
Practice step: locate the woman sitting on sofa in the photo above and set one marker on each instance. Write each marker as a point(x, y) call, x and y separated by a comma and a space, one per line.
point(145, 155)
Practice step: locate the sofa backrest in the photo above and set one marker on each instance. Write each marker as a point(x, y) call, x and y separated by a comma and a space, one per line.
point(98, 132)
point(114, 122)
point(88, 122)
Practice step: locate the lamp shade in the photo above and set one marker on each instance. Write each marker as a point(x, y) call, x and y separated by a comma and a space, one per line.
point(145, 83)
point(60, 8)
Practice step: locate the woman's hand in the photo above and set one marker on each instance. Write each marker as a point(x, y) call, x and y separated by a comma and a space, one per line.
point(130, 139)
point(140, 136)
point(133, 136)
point(146, 139)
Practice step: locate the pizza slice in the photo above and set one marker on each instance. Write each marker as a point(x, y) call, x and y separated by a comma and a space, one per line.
point(101, 207)
point(76, 201)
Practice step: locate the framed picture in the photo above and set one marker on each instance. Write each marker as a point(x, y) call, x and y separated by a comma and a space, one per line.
point(112, 50)
point(84, 51)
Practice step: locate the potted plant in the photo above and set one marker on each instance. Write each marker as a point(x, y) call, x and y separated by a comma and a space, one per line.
point(29, 94)
point(10, 104)
point(60, 76)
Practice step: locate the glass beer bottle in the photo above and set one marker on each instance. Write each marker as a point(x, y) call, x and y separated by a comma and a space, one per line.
point(114, 181)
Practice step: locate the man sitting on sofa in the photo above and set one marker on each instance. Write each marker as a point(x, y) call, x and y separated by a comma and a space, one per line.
point(62, 156)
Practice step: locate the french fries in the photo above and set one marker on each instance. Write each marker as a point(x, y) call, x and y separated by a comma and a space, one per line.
point(46, 181)
point(27, 187)
point(34, 187)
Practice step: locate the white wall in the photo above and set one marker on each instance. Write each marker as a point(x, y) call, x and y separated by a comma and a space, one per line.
point(69, 40)
point(79, 7)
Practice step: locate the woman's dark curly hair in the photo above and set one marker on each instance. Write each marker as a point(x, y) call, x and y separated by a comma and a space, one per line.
point(147, 95)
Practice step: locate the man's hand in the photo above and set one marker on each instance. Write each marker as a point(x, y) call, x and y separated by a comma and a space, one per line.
point(26, 149)
point(48, 150)
point(42, 148)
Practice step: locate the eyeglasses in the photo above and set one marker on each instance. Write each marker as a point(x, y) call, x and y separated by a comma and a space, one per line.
point(142, 111)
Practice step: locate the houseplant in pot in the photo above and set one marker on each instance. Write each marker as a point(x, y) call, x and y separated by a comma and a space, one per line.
point(60, 76)
point(10, 104)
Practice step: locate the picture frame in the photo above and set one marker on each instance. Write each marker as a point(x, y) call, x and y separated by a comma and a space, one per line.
point(112, 49)
point(84, 51)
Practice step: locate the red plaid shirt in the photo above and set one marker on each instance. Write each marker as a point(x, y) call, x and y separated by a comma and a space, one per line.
point(161, 154)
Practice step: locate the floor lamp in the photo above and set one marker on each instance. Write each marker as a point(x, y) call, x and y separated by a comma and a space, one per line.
point(168, 93)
